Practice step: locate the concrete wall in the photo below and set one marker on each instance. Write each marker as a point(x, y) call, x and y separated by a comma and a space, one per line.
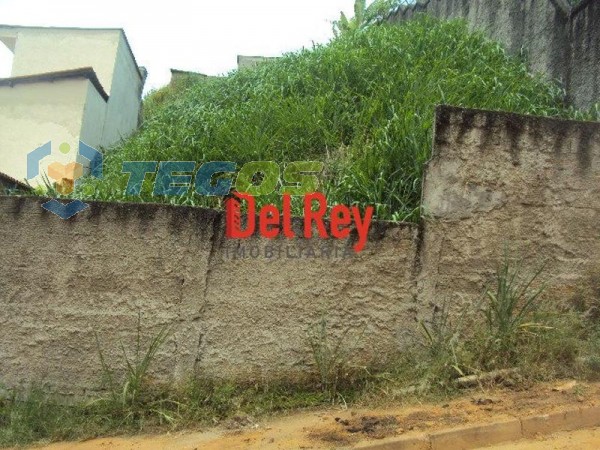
point(584, 76)
point(499, 180)
point(68, 280)
point(245, 62)
point(560, 41)
point(495, 179)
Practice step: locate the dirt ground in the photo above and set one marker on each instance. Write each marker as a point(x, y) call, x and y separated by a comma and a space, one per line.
point(339, 427)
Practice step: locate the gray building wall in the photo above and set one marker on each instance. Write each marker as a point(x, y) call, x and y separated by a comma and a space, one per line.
point(56, 102)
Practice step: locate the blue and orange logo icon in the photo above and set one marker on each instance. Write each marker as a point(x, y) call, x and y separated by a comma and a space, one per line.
point(62, 175)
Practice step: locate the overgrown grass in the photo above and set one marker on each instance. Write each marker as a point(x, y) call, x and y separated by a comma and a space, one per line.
point(169, 93)
point(363, 104)
point(193, 404)
point(332, 357)
point(517, 325)
point(509, 311)
point(37, 417)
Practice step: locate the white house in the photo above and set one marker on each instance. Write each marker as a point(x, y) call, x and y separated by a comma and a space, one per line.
point(66, 85)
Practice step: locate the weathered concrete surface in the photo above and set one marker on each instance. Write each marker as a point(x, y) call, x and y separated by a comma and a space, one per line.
point(584, 75)
point(276, 301)
point(63, 282)
point(502, 180)
point(560, 41)
point(245, 62)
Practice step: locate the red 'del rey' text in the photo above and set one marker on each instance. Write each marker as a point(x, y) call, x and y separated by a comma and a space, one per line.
point(272, 222)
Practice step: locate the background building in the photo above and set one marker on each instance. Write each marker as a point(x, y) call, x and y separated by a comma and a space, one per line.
point(66, 85)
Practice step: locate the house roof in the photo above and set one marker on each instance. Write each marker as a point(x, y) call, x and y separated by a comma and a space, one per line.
point(4, 27)
point(83, 72)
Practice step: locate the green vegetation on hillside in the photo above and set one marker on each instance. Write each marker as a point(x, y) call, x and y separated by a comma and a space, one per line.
point(363, 104)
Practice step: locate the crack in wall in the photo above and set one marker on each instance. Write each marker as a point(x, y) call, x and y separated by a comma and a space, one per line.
point(215, 243)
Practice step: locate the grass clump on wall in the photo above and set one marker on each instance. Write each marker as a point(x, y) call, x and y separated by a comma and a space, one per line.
point(363, 104)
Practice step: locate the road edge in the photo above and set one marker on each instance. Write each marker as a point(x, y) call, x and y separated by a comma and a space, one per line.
point(477, 436)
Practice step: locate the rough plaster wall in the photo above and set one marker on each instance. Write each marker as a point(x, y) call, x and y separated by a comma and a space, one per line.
point(94, 274)
point(560, 42)
point(276, 302)
point(499, 180)
point(63, 281)
point(495, 179)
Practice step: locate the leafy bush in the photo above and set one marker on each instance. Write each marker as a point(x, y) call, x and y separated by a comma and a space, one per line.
point(364, 15)
point(363, 104)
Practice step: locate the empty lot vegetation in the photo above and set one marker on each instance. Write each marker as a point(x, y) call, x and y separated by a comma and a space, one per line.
point(363, 104)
